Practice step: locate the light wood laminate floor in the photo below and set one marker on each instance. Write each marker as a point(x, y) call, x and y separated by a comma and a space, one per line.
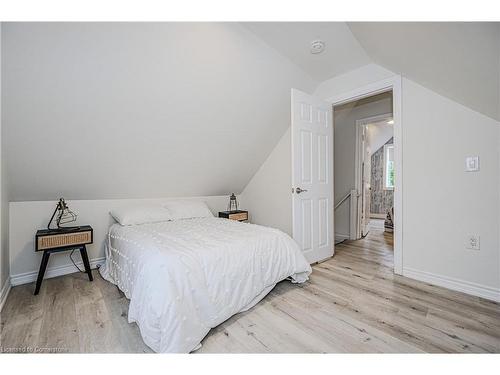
point(352, 303)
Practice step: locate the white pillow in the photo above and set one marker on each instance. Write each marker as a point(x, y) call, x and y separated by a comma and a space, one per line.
point(140, 214)
point(188, 209)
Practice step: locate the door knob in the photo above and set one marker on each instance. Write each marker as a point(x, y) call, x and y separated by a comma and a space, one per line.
point(299, 190)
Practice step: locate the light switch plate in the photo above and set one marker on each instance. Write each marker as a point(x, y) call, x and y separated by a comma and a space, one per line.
point(472, 242)
point(472, 163)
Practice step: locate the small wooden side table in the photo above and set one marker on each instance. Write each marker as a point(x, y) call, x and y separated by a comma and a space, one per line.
point(56, 240)
point(238, 215)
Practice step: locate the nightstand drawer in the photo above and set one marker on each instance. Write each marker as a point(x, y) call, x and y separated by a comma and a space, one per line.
point(50, 239)
point(234, 215)
point(240, 216)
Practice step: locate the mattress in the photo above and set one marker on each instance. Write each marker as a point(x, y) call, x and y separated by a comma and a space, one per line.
point(187, 276)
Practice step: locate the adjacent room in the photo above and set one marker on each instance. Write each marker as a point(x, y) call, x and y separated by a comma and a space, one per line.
point(364, 177)
point(250, 187)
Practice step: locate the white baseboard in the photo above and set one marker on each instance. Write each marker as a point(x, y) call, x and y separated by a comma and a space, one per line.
point(29, 277)
point(4, 292)
point(341, 237)
point(463, 286)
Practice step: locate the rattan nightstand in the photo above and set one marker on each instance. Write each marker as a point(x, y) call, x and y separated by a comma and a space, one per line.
point(56, 240)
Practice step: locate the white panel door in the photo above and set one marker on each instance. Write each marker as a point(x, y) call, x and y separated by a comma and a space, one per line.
point(312, 176)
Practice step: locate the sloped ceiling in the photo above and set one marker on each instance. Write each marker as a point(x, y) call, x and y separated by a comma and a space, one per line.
point(293, 39)
point(119, 110)
point(107, 110)
point(457, 60)
point(378, 134)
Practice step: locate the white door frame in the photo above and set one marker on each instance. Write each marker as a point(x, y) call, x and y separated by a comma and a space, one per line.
point(357, 164)
point(393, 84)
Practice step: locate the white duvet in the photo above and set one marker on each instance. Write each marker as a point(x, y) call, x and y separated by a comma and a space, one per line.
point(187, 276)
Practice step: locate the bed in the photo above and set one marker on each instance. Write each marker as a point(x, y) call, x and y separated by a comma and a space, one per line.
point(184, 277)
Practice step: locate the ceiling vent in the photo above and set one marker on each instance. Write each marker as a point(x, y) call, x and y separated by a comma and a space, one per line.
point(317, 46)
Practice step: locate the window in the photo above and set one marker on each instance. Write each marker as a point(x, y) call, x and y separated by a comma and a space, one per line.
point(389, 167)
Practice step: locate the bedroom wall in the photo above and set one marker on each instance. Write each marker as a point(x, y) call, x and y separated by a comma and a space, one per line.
point(456, 203)
point(132, 110)
point(4, 212)
point(268, 194)
point(27, 217)
point(351, 80)
point(345, 117)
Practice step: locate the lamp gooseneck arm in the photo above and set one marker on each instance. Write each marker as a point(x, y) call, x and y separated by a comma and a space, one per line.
point(52, 217)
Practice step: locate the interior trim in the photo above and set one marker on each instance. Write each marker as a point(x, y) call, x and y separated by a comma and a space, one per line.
point(29, 277)
point(458, 285)
point(5, 292)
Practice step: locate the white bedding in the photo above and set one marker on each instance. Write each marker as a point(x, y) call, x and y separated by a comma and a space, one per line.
point(187, 276)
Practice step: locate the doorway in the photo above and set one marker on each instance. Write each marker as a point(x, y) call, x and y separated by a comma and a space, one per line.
point(374, 171)
point(358, 210)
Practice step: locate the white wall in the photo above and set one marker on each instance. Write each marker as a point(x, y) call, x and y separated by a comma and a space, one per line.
point(345, 117)
point(442, 204)
point(352, 80)
point(268, 195)
point(131, 110)
point(27, 217)
point(4, 209)
point(499, 135)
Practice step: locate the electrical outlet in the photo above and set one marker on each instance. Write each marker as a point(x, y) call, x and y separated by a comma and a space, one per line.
point(472, 242)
